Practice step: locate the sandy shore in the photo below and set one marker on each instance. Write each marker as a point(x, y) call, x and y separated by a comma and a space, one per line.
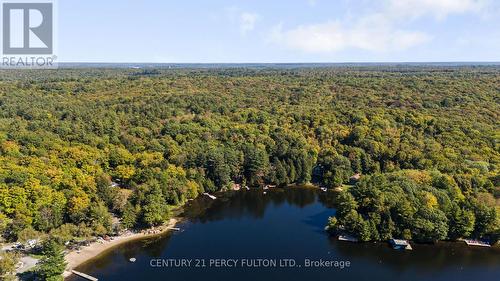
point(75, 258)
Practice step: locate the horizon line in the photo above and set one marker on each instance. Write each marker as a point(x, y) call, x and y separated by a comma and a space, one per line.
point(298, 62)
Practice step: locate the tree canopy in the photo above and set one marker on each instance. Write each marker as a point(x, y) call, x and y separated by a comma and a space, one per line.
point(78, 146)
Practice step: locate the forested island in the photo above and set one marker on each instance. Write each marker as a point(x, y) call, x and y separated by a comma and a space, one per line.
point(82, 149)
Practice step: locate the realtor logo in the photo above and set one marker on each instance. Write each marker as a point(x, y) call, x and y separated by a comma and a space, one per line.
point(28, 34)
point(27, 28)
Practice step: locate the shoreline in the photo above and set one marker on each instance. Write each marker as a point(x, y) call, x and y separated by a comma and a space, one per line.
point(75, 258)
point(87, 253)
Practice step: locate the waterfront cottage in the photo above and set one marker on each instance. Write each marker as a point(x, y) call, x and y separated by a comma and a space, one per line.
point(400, 244)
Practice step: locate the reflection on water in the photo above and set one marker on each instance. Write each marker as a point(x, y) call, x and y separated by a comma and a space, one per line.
point(284, 223)
point(237, 204)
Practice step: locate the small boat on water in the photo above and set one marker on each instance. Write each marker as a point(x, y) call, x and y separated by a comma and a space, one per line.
point(209, 195)
point(400, 244)
point(132, 259)
point(347, 238)
point(323, 189)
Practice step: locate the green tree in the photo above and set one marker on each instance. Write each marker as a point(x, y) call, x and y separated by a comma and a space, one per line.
point(486, 219)
point(8, 263)
point(100, 216)
point(345, 203)
point(155, 211)
point(255, 165)
point(129, 217)
point(52, 264)
point(336, 169)
point(461, 223)
point(430, 225)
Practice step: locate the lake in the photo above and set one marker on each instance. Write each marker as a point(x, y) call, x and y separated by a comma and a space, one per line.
point(248, 235)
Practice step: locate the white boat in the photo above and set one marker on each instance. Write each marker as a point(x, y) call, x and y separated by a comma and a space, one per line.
point(132, 259)
point(323, 189)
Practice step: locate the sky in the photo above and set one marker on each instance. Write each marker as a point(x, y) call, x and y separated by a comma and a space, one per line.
point(278, 31)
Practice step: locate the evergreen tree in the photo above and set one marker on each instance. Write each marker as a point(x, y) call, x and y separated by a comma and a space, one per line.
point(52, 265)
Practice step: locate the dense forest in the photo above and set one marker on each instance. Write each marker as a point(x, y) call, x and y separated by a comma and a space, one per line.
point(81, 148)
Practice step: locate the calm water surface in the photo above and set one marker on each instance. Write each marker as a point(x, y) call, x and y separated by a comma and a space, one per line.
point(283, 224)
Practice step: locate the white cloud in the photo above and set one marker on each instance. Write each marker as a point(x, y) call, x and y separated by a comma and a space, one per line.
point(437, 8)
point(380, 31)
point(373, 33)
point(247, 21)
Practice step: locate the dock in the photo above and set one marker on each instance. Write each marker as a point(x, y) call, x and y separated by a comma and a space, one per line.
point(83, 275)
point(347, 238)
point(209, 195)
point(479, 243)
point(267, 186)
